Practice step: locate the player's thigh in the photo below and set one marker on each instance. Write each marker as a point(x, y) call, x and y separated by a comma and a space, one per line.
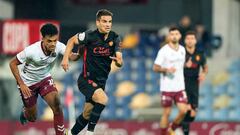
point(166, 111)
point(86, 88)
point(99, 96)
point(182, 107)
point(31, 101)
point(52, 99)
point(93, 92)
point(49, 93)
point(167, 99)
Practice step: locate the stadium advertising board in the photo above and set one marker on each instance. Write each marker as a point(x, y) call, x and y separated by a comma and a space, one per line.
point(17, 34)
point(123, 128)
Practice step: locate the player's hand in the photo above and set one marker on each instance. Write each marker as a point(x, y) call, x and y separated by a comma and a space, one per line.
point(65, 64)
point(117, 60)
point(189, 63)
point(171, 70)
point(25, 91)
point(201, 77)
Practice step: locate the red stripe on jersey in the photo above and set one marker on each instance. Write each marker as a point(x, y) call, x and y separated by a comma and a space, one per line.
point(85, 63)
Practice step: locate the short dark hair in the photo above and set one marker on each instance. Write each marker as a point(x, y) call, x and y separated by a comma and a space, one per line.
point(173, 28)
point(49, 29)
point(103, 12)
point(191, 33)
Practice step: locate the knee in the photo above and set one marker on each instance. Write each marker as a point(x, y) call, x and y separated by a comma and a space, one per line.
point(104, 101)
point(100, 98)
point(189, 117)
point(86, 114)
point(183, 112)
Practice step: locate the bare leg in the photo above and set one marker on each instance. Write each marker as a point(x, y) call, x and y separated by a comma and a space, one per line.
point(53, 101)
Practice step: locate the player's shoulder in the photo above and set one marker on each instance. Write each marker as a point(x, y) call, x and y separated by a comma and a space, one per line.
point(87, 32)
point(90, 31)
point(83, 34)
point(60, 43)
point(34, 46)
point(199, 52)
point(181, 47)
point(164, 47)
point(113, 34)
point(60, 47)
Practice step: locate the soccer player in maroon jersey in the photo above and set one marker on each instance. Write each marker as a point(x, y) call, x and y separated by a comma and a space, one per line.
point(31, 69)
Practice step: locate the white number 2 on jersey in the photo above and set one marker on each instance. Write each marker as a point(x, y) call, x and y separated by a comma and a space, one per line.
point(50, 82)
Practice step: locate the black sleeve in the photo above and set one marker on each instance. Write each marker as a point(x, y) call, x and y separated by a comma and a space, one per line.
point(118, 44)
point(204, 60)
point(83, 38)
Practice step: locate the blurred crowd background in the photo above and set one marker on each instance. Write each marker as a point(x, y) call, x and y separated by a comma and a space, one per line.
point(134, 90)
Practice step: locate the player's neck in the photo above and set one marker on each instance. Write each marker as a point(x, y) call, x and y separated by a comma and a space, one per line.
point(174, 46)
point(105, 35)
point(190, 49)
point(45, 51)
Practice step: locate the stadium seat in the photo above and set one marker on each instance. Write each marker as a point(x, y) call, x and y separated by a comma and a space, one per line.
point(221, 114)
point(234, 114)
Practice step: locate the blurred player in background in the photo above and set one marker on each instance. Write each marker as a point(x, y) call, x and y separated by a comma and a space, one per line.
point(33, 76)
point(101, 47)
point(194, 61)
point(170, 63)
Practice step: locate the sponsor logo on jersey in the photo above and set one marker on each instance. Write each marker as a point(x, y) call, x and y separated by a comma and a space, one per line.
point(101, 51)
point(198, 58)
point(81, 36)
point(110, 43)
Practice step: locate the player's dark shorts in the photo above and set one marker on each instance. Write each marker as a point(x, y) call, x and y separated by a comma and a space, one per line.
point(168, 98)
point(192, 90)
point(87, 87)
point(43, 88)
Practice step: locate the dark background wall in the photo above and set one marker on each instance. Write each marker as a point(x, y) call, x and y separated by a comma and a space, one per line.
point(160, 12)
point(74, 15)
point(35, 9)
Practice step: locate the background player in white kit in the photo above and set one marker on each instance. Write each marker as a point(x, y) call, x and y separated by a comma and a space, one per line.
point(170, 63)
point(34, 77)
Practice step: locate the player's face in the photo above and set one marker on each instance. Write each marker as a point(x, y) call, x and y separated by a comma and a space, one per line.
point(50, 42)
point(174, 36)
point(104, 24)
point(190, 40)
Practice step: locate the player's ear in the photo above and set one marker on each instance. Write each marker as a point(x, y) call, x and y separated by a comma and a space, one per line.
point(180, 35)
point(42, 38)
point(97, 22)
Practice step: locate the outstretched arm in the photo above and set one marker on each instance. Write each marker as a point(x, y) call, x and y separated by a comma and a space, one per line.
point(77, 55)
point(14, 68)
point(68, 52)
point(203, 73)
point(118, 59)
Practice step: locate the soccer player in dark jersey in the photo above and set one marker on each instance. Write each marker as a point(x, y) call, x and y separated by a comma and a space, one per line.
point(101, 47)
point(195, 60)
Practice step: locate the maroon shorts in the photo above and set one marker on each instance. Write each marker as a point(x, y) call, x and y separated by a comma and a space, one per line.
point(168, 98)
point(43, 88)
